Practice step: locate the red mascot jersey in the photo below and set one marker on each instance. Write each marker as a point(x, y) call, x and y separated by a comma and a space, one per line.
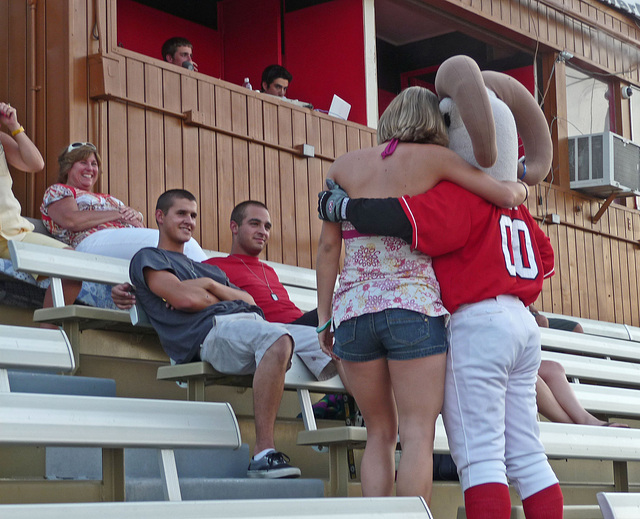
point(479, 250)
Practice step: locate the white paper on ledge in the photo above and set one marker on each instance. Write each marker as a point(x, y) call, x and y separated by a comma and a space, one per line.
point(339, 108)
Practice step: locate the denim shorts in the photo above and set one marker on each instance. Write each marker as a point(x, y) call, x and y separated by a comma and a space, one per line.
point(395, 333)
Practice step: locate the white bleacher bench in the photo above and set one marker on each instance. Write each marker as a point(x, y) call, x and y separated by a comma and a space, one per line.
point(602, 328)
point(605, 376)
point(619, 505)
point(568, 512)
point(314, 508)
point(58, 264)
point(29, 419)
point(600, 370)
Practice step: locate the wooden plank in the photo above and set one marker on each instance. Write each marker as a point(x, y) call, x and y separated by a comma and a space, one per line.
point(117, 153)
point(590, 260)
point(240, 148)
point(634, 267)
point(209, 222)
point(302, 200)
point(225, 168)
point(136, 143)
point(255, 129)
point(584, 300)
point(272, 180)
point(171, 99)
point(316, 184)
point(154, 139)
point(288, 210)
point(326, 138)
point(602, 251)
point(552, 232)
point(353, 138)
point(339, 139)
point(621, 285)
point(190, 147)
point(563, 255)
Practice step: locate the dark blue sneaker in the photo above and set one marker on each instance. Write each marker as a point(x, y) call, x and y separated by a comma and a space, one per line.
point(273, 465)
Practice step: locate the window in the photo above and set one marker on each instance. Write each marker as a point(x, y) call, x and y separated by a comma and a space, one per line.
point(589, 104)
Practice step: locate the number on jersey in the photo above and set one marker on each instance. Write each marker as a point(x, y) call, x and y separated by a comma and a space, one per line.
point(519, 257)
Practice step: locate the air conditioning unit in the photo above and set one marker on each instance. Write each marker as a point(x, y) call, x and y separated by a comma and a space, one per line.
point(603, 163)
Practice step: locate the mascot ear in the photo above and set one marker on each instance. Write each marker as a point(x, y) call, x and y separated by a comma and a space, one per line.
point(530, 121)
point(460, 79)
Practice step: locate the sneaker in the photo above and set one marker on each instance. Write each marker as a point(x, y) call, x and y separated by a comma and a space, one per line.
point(272, 465)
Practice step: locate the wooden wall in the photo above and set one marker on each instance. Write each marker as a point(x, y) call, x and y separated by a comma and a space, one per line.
point(594, 33)
point(597, 264)
point(159, 127)
point(164, 127)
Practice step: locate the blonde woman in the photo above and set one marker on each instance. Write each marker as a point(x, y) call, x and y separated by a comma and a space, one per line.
point(388, 316)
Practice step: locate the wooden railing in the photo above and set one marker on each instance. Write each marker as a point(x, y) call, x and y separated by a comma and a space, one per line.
point(166, 127)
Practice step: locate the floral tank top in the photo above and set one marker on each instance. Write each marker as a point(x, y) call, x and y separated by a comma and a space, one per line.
point(86, 201)
point(382, 272)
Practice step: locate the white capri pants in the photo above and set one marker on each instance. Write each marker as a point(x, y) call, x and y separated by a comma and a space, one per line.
point(489, 410)
point(124, 243)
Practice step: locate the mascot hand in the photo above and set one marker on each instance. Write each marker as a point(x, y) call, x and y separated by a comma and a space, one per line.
point(332, 204)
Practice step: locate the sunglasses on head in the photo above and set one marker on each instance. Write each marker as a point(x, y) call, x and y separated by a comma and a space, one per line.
point(75, 145)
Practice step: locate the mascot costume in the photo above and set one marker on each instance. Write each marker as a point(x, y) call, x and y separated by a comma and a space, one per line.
point(490, 263)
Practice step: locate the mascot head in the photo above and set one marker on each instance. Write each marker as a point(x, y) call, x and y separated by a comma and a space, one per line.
point(485, 112)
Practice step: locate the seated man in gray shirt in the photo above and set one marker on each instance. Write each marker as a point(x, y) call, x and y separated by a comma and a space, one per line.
point(199, 314)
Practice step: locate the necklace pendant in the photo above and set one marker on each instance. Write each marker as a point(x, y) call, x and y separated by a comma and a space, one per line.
point(274, 296)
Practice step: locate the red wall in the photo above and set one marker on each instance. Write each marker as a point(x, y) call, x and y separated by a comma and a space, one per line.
point(525, 76)
point(251, 32)
point(144, 29)
point(324, 45)
point(324, 50)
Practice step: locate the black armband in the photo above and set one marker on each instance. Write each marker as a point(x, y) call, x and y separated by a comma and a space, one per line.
point(382, 216)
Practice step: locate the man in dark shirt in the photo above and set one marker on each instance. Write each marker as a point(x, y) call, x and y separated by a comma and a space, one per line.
point(199, 314)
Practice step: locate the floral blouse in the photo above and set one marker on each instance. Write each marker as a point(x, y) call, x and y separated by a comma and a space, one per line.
point(87, 201)
point(382, 272)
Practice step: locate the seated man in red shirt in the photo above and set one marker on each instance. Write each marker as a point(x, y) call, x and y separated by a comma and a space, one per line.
point(250, 228)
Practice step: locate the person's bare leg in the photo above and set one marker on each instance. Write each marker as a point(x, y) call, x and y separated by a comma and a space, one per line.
point(553, 374)
point(343, 376)
point(371, 388)
point(418, 386)
point(268, 386)
point(70, 291)
point(548, 406)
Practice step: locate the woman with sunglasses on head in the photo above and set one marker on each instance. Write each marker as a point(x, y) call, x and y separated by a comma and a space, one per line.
point(95, 222)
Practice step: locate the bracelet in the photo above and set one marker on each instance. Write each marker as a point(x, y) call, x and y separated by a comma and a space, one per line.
point(524, 170)
point(526, 191)
point(326, 325)
point(17, 131)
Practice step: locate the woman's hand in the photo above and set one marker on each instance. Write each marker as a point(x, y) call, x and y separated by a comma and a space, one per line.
point(9, 117)
point(21, 153)
point(325, 338)
point(131, 216)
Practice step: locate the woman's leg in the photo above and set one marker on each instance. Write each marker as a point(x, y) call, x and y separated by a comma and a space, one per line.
point(371, 386)
point(418, 386)
point(553, 375)
point(547, 404)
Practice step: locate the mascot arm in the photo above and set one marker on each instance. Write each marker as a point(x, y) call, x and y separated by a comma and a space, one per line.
point(382, 216)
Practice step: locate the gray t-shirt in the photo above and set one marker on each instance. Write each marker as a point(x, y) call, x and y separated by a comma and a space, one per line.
point(181, 333)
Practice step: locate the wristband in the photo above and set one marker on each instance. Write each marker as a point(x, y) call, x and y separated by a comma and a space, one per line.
point(17, 131)
point(326, 325)
point(526, 191)
point(524, 170)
